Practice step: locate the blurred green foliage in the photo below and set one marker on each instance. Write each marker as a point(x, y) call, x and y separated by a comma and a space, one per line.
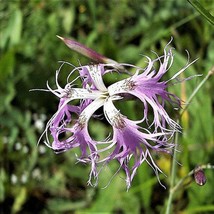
point(35, 180)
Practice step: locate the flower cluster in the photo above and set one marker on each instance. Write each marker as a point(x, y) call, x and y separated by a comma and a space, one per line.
point(68, 128)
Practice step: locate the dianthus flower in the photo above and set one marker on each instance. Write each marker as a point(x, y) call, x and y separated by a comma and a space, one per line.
point(129, 139)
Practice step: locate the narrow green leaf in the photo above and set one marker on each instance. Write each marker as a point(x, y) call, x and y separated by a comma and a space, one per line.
point(200, 209)
point(2, 181)
point(64, 205)
point(7, 63)
point(205, 13)
point(20, 199)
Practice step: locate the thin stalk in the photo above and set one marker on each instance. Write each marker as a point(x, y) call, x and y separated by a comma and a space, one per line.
point(211, 72)
point(181, 181)
point(174, 162)
point(173, 173)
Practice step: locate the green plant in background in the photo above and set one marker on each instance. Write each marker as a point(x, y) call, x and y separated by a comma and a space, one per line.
point(33, 178)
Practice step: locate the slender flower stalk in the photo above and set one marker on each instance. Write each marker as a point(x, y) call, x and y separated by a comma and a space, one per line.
point(68, 127)
point(173, 187)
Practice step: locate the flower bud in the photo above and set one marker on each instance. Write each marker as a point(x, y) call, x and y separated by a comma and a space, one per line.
point(199, 176)
point(85, 51)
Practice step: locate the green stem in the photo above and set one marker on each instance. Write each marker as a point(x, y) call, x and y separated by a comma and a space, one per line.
point(174, 163)
point(211, 72)
point(180, 183)
point(173, 173)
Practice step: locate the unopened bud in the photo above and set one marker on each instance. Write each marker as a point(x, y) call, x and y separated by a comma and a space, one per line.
point(199, 176)
point(85, 51)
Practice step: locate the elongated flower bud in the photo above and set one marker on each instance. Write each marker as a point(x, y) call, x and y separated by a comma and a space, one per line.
point(85, 51)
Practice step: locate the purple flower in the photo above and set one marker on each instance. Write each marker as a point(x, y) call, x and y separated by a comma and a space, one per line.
point(69, 125)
